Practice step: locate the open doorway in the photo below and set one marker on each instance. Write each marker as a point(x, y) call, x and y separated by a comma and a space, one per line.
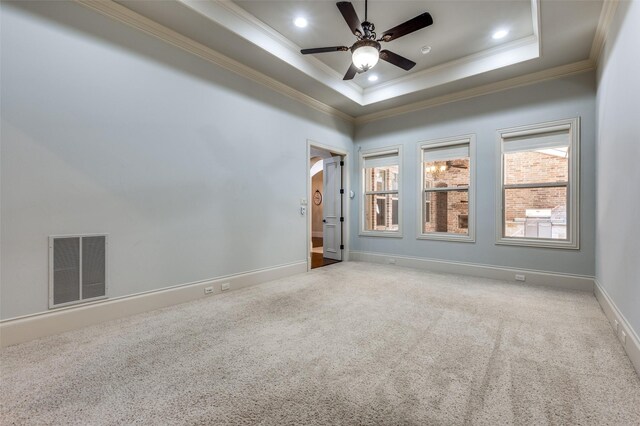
point(326, 199)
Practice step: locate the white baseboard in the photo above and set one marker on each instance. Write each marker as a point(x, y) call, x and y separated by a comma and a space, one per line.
point(317, 234)
point(632, 342)
point(23, 329)
point(544, 278)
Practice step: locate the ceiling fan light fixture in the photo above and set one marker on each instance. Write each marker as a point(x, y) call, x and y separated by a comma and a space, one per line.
point(365, 54)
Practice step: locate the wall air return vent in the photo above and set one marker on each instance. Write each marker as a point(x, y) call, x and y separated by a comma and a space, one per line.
point(77, 269)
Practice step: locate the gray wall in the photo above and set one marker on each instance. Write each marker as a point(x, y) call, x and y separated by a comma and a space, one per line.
point(547, 101)
point(193, 171)
point(196, 173)
point(618, 160)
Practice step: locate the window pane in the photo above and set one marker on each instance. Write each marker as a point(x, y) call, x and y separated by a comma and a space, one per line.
point(444, 174)
point(542, 166)
point(381, 178)
point(381, 212)
point(447, 212)
point(536, 213)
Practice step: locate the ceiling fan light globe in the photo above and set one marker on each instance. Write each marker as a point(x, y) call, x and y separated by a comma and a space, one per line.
point(365, 57)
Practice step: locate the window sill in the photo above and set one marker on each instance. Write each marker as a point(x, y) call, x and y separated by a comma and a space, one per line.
point(540, 243)
point(447, 237)
point(387, 234)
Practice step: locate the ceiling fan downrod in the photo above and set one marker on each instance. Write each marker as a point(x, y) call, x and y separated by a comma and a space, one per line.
point(367, 27)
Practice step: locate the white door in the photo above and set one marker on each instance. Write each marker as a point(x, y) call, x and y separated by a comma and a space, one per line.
point(332, 208)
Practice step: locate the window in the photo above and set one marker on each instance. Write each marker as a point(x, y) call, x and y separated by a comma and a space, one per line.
point(446, 175)
point(539, 185)
point(381, 192)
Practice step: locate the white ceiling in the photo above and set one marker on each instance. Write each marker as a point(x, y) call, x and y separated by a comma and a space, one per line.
point(260, 34)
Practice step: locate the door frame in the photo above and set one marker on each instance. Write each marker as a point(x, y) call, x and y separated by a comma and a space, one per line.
point(345, 204)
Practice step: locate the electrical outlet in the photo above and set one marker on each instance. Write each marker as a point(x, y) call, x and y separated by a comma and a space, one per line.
point(520, 277)
point(623, 337)
point(225, 286)
point(391, 261)
point(208, 290)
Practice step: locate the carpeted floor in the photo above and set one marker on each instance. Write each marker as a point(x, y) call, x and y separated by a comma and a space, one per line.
point(352, 343)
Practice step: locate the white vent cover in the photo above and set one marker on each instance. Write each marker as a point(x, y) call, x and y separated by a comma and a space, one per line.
point(77, 269)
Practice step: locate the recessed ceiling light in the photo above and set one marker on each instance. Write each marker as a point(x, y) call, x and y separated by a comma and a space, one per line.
point(500, 34)
point(300, 22)
point(373, 77)
point(425, 49)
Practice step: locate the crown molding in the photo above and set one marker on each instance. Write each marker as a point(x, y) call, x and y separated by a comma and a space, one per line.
point(273, 34)
point(517, 51)
point(523, 80)
point(122, 14)
point(127, 16)
point(604, 22)
point(240, 22)
point(463, 61)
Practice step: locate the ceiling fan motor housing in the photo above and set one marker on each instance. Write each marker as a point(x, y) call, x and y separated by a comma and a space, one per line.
point(362, 43)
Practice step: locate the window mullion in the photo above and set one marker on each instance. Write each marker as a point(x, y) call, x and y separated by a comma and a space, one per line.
point(448, 189)
point(536, 185)
point(381, 192)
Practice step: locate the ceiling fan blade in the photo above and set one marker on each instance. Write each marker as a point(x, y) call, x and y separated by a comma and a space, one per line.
point(349, 15)
point(351, 72)
point(397, 60)
point(324, 50)
point(415, 24)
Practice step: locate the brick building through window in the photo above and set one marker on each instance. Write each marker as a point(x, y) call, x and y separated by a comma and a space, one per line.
point(446, 177)
point(536, 212)
point(447, 211)
point(539, 179)
point(381, 192)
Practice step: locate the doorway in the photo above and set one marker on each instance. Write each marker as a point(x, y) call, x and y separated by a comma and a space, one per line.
point(326, 202)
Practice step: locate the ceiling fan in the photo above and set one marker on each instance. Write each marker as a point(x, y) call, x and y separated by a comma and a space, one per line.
point(366, 50)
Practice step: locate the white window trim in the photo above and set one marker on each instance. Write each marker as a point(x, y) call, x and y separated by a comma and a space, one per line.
point(444, 236)
point(371, 153)
point(573, 187)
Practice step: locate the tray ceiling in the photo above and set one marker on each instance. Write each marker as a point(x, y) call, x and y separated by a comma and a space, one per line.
point(260, 34)
point(456, 33)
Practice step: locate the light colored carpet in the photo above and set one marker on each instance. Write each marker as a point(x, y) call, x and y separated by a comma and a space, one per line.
point(353, 343)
